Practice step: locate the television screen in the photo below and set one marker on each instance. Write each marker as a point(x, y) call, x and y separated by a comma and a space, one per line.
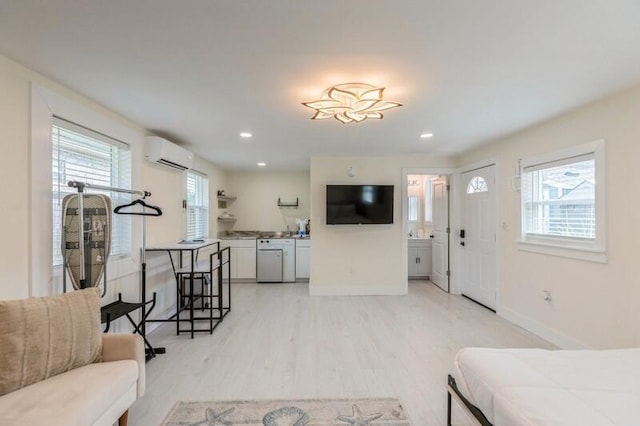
point(359, 204)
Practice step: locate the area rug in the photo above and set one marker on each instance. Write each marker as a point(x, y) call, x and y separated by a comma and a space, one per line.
point(304, 412)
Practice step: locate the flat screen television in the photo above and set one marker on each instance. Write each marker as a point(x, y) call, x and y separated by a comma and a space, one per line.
point(359, 204)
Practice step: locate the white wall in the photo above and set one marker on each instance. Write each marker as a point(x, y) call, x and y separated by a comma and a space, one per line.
point(21, 252)
point(17, 187)
point(25, 249)
point(258, 192)
point(593, 304)
point(14, 181)
point(167, 188)
point(360, 259)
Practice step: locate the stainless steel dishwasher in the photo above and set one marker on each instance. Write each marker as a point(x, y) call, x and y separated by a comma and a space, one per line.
point(269, 258)
point(276, 260)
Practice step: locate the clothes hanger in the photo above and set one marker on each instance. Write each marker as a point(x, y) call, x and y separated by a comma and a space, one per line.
point(155, 211)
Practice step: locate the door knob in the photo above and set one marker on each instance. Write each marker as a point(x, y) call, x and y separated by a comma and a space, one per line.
point(431, 236)
point(462, 243)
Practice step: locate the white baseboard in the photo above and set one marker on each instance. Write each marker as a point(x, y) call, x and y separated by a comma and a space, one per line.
point(559, 339)
point(315, 290)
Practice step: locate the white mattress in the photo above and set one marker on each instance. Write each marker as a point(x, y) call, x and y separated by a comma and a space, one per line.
point(541, 387)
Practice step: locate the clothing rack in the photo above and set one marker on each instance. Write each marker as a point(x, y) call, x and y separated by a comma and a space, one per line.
point(119, 308)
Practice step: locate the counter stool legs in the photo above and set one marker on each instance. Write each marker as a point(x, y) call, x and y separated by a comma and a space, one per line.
point(186, 297)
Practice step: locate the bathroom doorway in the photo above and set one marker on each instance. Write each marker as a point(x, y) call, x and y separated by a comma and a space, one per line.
point(426, 219)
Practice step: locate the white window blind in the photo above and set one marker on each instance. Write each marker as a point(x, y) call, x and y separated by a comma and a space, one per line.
point(87, 156)
point(413, 209)
point(428, 201)
point(559, 198)
point(197, 205)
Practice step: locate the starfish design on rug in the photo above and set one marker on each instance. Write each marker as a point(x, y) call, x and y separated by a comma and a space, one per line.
point(359, 419)
point(286, 416)
point(213, 418)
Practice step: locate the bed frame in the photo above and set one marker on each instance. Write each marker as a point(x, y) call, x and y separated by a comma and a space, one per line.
point(469, 408)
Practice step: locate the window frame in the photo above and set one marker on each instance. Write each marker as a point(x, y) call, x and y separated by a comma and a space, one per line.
point(206, 192)
point(564, 246)
point(120, 170)
point(473, 188)
point(413, 210)
point(44, 279)
point(428, 202)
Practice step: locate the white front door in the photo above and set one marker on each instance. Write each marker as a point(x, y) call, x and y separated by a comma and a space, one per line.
point(478, 236)
point(440, 234)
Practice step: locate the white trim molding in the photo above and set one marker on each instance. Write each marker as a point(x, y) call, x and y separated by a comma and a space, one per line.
point(559, 339)
point(562, 251)
point(45, 104)
point(406, 171)
point(459, 195)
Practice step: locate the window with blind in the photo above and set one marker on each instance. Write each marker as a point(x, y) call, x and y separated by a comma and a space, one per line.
point(87, 156)
point(562, 198)
point(428, 201)
point(413, 208)
point(197, 186)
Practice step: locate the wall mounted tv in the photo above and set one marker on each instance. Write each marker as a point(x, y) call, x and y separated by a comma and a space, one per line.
point(359, 204)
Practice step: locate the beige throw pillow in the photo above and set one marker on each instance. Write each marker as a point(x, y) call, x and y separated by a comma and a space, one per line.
point(41, 337)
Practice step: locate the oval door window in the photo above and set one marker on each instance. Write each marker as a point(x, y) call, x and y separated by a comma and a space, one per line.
point(477, 184)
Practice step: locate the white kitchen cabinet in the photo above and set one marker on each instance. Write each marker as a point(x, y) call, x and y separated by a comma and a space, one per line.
point(413, 261)
point(419, 258)
point(303, 259)
point(243, 259)
point(245, 263)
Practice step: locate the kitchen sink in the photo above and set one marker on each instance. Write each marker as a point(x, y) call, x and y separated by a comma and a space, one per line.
point(239, 235)
point(278, 234)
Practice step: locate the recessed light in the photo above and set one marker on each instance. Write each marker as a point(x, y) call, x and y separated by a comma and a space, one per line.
point(426, 135)
point(261, 164)
point(245, 135)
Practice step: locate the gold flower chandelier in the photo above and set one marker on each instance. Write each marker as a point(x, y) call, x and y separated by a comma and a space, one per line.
point(351, 103)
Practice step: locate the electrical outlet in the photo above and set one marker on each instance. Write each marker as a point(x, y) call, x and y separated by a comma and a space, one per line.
point(547, 295)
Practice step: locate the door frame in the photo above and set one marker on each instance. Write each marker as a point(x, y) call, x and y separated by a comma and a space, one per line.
point(453, 205)
point(459, 195)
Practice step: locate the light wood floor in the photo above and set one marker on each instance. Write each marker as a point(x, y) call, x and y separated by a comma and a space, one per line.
point(279, 343)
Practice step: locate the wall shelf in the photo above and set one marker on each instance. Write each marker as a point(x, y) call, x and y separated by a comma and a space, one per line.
point(288, 203)
point(227, 219)
point(224, 199)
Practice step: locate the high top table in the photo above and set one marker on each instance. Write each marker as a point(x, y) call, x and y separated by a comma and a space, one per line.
point(193, 247)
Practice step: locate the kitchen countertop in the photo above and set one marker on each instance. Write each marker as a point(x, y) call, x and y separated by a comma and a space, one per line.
point(238, 235)
point(254, 235)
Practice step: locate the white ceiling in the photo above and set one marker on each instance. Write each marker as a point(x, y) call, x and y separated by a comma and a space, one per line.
point(201, 71)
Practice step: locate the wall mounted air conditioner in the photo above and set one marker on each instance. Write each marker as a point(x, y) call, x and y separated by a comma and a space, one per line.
point(161, 151)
